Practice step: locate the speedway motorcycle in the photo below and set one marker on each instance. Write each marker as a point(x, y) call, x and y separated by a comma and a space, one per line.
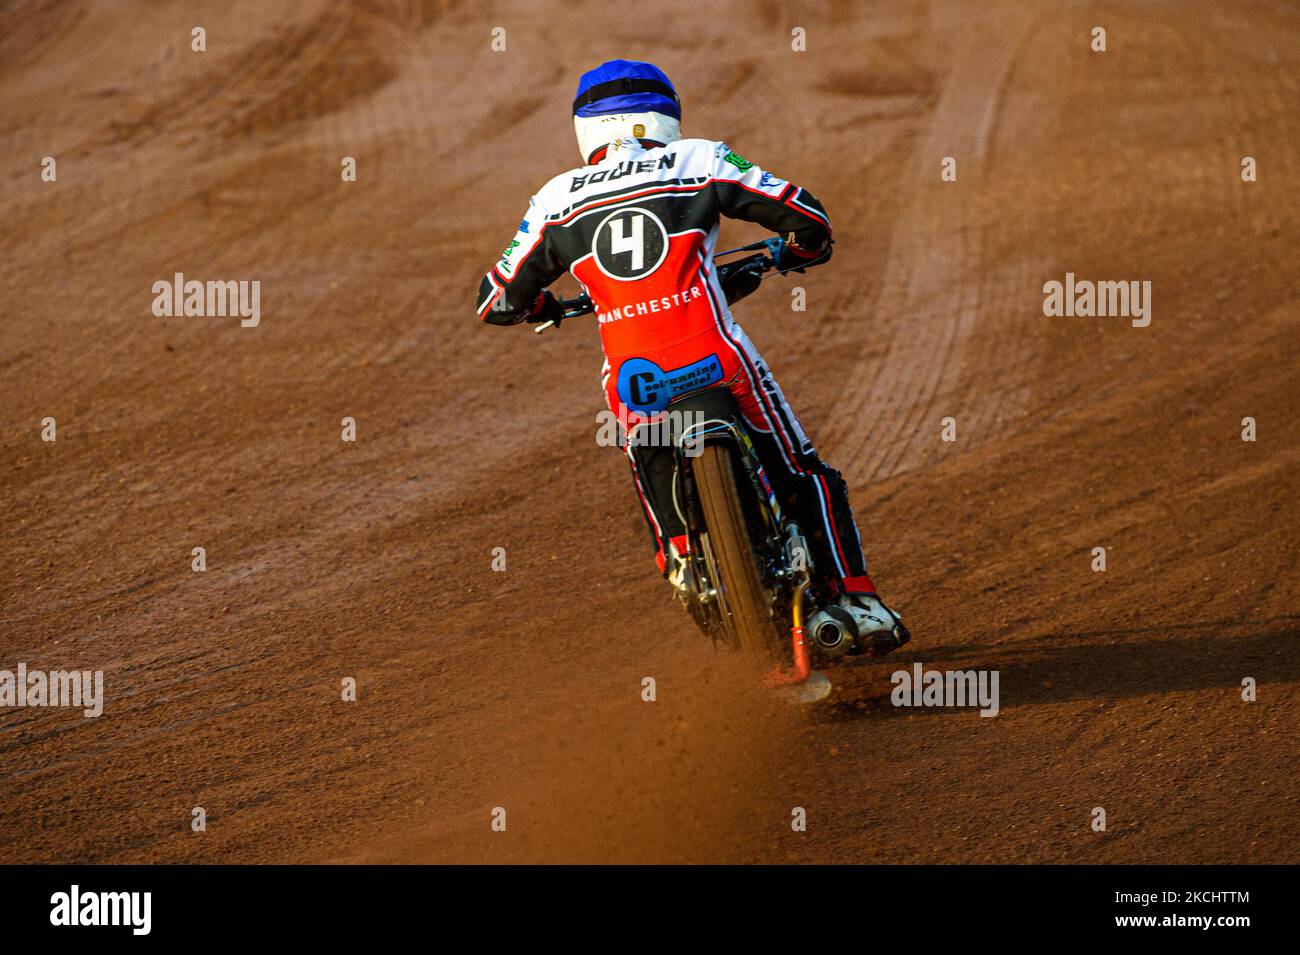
point(749, 573)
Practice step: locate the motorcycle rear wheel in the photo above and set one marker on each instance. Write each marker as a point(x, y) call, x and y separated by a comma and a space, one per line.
point(742, 599)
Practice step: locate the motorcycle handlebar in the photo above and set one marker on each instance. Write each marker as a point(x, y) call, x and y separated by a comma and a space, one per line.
point(755, 265)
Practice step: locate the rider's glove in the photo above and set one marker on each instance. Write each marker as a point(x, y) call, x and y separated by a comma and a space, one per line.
point(740, 282)
point(547, 308)
point(795, 258)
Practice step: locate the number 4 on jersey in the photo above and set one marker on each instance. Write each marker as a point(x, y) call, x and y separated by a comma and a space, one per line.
point(633, 242)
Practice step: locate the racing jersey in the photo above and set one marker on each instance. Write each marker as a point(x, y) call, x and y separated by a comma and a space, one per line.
point(637, 229)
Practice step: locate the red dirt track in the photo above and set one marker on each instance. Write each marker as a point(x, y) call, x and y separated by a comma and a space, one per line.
point(522, 689)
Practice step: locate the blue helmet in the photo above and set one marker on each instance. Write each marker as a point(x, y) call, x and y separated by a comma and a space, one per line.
point(626, 86)
point(625, 98)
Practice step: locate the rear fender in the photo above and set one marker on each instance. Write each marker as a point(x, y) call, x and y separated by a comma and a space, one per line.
point(711, 417)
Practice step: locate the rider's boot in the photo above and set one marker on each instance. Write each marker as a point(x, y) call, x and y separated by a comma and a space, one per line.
point(677, 568)
point(680, 572)
point(864, 619)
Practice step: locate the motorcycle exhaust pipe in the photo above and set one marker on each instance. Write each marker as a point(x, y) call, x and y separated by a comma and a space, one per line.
point(833, 640)
point(830, 635)
point(833, 631)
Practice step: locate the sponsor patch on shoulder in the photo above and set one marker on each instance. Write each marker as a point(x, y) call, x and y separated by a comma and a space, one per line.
point(737, 160)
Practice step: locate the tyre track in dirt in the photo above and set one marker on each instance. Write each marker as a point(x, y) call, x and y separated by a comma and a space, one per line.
point(932, 281)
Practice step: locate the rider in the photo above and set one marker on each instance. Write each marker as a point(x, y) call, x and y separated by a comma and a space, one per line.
point(636, 226)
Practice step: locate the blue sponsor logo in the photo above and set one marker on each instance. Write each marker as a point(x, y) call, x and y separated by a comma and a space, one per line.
point(646, 388)
point(523, 225)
